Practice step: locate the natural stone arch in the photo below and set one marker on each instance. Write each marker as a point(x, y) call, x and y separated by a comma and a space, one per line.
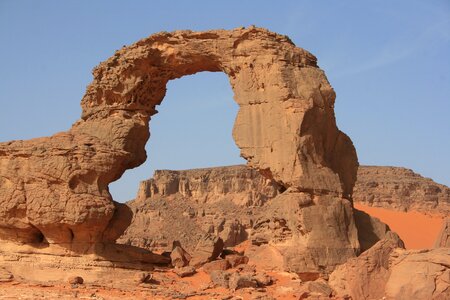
point(269, 77)
point(285, 127)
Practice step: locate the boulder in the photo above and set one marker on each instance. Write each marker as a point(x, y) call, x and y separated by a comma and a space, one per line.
point(208, 249)
point(365, 277)
point(236, 259)
point(239, 281)
point(419, 274)
point(185, 271)
point(179, 257)
point(220, 278)
point(318, 288)
point(216, 265)
point(76, 280)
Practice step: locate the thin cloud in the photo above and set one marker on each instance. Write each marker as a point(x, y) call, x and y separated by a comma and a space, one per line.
point(403, 49)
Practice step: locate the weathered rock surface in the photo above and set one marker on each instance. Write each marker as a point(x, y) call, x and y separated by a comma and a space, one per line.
point(370, 229)
point(421, 274)
point(444, 236)
point(179, 257)
point(239, 184)
point(54, 196)
point(288, 226)
point(365, 277)
point(5, 275)
point(312, 233)
point(387, 270)
point(299, 225)
point(56, 188)
point(208, 248)
point(400, 189)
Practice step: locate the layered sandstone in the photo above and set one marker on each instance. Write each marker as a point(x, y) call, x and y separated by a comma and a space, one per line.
point(387, 271)
point(400, 189)
point(239, 184)
point(54, 190)
point(186, 205)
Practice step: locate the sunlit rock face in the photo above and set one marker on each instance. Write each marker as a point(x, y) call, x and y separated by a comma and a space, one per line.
point(56, 188)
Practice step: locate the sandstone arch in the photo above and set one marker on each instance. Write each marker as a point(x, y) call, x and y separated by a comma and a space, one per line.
point(58, 186)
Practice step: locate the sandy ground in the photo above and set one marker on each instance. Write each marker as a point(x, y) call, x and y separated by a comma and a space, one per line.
point(417, 230)
point(197, 287)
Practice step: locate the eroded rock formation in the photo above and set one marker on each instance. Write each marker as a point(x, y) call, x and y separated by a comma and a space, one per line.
point(443, 239)
point(187, 205)
point(386, 270)
point(400, 189)
point(55, 189)
point(239, 184)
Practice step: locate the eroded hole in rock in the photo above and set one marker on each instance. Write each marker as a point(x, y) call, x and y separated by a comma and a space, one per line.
point(194, 182)
point(192, 129)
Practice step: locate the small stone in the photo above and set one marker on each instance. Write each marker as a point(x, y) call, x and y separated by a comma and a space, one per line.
point(179, 257)
point(184, 271)
point(319, 287)
point(263, 279)
point(220, 278)
point(75, 280)
point(246, 268)
point(236, 260)
point(143, 277)
point(216, 265)
point(238, 281)
point(5, 275)
point(207, 249)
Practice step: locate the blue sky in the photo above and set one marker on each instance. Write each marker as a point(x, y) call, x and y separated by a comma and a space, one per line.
point(389, 62)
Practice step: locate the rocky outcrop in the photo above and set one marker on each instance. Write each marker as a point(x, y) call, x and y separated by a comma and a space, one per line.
point(419, 274)
point(239, 184)
point(301, 225)
point(55, 189)
point(365, 277)
point(443, 239)
point(223, 204)
point(400, 189)
point(386, 270)
point(288, 230)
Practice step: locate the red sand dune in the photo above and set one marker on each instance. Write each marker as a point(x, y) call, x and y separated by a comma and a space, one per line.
point(417, 230)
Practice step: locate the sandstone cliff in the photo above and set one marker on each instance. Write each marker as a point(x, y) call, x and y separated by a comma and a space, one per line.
point(294, 204)
point(237, 204)
point(400, 189)
point(240, 184)
point(56, 188)
point(227, 201)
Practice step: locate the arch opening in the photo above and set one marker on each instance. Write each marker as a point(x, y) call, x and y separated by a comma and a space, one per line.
point(192, 129)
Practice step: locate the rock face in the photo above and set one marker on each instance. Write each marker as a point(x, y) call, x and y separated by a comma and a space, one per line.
point(387, 270)
point(221, 201)
point(288, 230)
point(444, 236)
point(365, 277)
point(400, 189)
point(56, 188)
point(419, 274)
point(239, 184)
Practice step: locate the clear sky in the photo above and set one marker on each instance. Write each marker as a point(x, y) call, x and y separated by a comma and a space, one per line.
point(389, 62)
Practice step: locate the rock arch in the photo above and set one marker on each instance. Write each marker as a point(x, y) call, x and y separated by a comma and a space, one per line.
point(57, 187)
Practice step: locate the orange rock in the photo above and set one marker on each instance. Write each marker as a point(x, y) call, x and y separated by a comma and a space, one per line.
point(216, 265)
point(57, 187)
point(443, 239)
